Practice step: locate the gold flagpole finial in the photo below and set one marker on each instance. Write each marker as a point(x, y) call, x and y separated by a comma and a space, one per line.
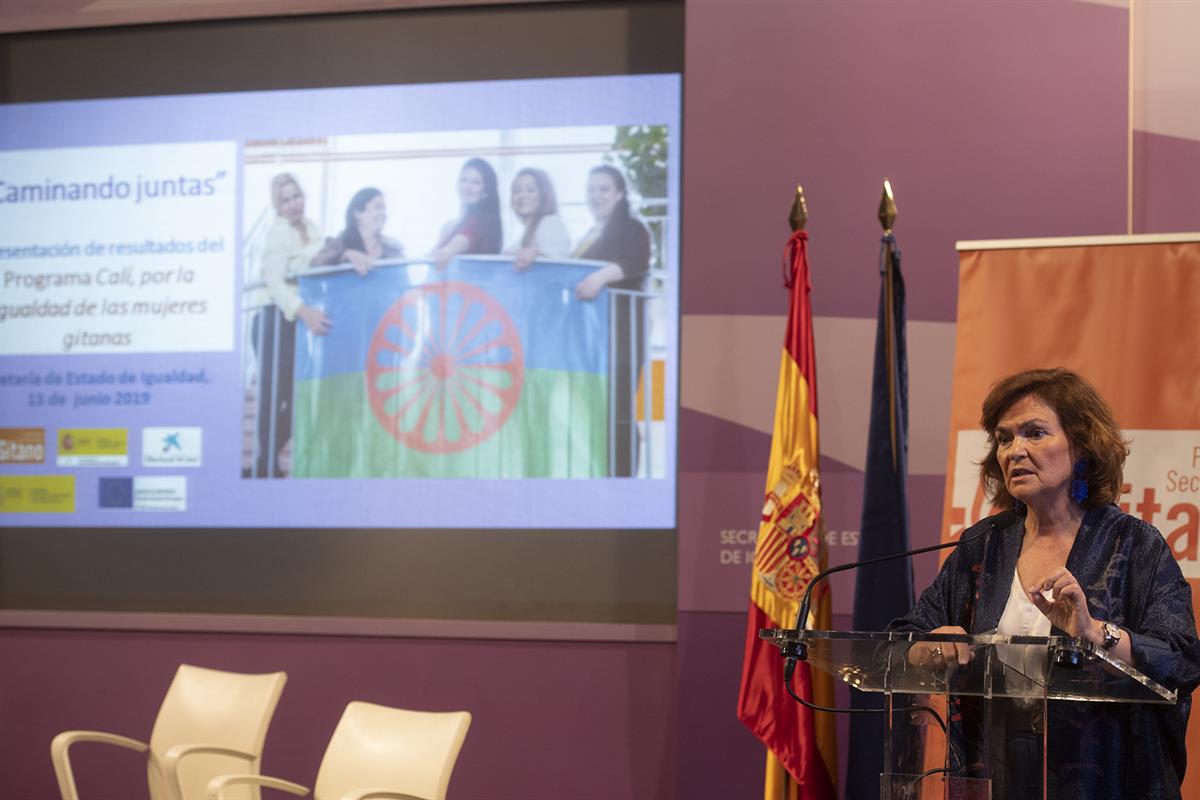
point(887, 207)
point(798, 216)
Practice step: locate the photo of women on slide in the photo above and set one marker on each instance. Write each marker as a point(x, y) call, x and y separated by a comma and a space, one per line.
point(616, 236)
point(533, 201)
point(544, 359)
point(293, 246)
point(361, 242)
point(476, 231)
point(290, 244)
point(621, 239)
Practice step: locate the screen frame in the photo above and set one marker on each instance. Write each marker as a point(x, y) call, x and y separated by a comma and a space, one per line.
point(630, 575)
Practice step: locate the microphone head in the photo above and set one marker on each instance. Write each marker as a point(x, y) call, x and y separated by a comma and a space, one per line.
point(1003, 519)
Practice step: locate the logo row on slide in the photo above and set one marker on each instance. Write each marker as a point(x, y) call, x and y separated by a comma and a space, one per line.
point(102, 447)
point(56, 494)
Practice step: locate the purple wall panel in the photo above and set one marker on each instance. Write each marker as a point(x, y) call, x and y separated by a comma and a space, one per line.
point(708, 443)
point(550, 719)
point(965, 106)
point(718, 756)
point(1166, 184)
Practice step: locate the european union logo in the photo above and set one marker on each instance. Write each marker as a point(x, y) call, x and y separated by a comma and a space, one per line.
point(116, 492)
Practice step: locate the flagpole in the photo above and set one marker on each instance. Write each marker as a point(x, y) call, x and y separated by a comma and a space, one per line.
point(786, 788)
point(883, 587)
point(887, 218)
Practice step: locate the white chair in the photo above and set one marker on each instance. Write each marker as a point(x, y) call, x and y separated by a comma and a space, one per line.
point(209, 723)
point(377, 753)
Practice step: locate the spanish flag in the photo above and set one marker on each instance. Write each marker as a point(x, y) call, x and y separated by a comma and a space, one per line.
point(801, 745)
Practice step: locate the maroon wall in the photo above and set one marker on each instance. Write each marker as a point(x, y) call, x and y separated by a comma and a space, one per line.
point(550, 719)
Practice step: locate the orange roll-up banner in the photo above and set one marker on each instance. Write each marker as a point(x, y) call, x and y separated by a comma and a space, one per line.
point(1124, 312)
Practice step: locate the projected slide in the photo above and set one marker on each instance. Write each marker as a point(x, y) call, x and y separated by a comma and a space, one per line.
point(417, 306)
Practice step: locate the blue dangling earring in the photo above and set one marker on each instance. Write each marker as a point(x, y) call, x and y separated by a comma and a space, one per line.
point(1079, 487)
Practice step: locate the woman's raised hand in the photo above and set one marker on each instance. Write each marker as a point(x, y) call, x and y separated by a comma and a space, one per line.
point(1061, 599)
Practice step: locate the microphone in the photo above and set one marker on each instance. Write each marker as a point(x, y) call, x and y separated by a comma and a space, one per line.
point(798, 651)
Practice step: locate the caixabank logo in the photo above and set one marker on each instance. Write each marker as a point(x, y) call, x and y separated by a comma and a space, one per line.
point(172, 447)
point(1162, 487)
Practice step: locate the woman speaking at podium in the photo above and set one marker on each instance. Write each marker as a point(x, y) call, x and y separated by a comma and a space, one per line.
point(1071, 563)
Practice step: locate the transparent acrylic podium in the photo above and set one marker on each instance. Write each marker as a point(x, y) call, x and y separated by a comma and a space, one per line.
point(995, 744)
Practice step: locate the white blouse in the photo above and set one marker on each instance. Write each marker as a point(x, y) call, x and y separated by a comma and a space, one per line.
point(1022, 618)
point(550, 239)
point(285, 253)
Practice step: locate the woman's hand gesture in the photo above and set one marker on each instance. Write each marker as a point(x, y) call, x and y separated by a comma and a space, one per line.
point(1061, 599)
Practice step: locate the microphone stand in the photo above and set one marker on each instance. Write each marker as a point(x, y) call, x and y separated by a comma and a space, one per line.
point(798, 650)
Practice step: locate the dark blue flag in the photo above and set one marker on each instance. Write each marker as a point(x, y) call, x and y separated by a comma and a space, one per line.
point(882, 591)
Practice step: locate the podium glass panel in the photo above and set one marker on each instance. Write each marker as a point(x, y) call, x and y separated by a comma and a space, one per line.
point(974, 730)
point(1053, 667)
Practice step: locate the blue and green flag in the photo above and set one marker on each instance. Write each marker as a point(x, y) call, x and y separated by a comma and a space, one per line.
point(882, 592)
point(475, 371)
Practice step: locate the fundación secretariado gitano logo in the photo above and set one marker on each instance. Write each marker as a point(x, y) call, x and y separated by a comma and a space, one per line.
point(171, 447)
point(22, 445)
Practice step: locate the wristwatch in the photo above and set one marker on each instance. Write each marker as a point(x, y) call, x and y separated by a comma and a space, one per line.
point(1112, 635)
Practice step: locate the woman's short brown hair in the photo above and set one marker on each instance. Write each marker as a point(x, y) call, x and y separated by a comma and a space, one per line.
point(1085, 417)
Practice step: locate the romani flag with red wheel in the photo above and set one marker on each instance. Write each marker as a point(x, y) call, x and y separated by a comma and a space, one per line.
point(475, 371)
point(801, 745)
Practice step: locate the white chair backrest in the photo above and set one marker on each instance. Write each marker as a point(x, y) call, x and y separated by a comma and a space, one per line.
point(211, 707)
point(376, 747)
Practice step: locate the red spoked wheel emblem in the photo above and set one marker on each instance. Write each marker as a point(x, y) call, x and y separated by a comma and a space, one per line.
point(444, 368)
